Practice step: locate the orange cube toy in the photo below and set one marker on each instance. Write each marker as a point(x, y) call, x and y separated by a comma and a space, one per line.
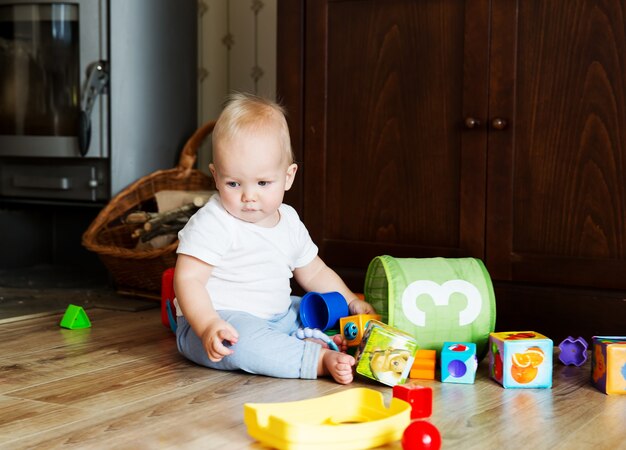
point(424, 365)
point(353, 327)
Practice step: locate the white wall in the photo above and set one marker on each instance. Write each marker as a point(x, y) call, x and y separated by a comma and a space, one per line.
point(237, 52)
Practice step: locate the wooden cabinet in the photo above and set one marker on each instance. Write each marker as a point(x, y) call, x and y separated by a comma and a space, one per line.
point(556, 203)
point(486, 128)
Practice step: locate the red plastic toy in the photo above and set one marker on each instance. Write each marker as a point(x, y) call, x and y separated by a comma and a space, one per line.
point(419, 397)
point(421, 435)
point(168, 314)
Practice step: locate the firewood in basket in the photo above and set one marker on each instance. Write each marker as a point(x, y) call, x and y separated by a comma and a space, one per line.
point(139, 216)
point(159, 229)
point(181, 214)
point(199, 201)
point(187, 210)
point(155, 224)
point(166, 228)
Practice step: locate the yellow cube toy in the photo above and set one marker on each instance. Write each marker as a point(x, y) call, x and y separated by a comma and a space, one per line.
point(608, 364)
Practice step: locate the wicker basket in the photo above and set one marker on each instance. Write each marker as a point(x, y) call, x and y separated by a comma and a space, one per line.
point(138, 272)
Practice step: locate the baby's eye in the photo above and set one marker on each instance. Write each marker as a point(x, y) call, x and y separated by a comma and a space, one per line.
point(264, 183)
point(232, 184)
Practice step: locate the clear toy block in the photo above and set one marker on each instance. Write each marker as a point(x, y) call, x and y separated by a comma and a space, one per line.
point(385, 354)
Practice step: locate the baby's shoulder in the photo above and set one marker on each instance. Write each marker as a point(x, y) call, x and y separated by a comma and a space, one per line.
point(289, 213)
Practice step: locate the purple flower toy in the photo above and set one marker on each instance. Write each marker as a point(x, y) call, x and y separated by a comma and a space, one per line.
point(573, 351)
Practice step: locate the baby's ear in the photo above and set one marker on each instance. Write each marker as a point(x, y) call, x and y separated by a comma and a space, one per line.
point(291, 175)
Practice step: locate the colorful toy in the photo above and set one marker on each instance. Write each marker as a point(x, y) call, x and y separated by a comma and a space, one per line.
point(322, 311)
point(352, 419)
point(304, 333)
point(75, 318)
point(421, 435)
point(419, 397)
point(353, 327)
point(521, 359)
point(458, 362)
point(436, 300)
point(385, 354)
point(573, 351)
point(424, 365)
point(168, 315)
point(608, 364)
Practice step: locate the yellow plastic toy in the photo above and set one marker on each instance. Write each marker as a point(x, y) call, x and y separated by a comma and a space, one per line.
point(352, 419)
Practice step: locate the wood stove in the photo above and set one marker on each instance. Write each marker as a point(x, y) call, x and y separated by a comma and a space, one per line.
point(93, 94)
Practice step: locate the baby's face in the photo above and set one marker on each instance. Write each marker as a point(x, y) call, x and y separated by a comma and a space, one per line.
point(252, 173)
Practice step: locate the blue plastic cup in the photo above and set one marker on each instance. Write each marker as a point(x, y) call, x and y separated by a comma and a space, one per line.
point(322, 311)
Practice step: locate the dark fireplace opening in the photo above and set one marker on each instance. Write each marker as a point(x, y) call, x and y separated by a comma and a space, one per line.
point(42, 247)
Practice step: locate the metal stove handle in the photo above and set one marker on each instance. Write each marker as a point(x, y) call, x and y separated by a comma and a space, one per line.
point(95, 84)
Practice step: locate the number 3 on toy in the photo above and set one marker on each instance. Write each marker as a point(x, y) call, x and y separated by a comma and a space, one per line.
point(440, 293)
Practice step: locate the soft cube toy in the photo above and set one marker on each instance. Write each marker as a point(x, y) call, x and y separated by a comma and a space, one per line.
point(521, 359)
point(608, 364)
point(458, 362)
point(353, 327)
point(435, 300)
point(385, 354)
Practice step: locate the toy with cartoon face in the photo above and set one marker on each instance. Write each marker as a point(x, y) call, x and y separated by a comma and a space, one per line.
point(385, 354)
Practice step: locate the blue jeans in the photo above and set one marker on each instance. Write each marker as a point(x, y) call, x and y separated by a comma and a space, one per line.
point(265, 346)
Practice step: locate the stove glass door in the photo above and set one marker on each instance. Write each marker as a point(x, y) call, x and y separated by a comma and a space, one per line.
point(39, 70)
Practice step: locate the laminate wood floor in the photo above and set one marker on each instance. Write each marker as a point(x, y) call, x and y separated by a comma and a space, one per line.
point(121, 384)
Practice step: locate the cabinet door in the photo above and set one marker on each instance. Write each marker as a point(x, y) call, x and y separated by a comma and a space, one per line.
point(557, 184)
point(389, 166)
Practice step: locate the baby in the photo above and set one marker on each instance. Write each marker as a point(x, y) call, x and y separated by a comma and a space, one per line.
point(237, 254)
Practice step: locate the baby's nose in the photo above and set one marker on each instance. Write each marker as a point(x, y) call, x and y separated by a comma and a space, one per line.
point(248, 195)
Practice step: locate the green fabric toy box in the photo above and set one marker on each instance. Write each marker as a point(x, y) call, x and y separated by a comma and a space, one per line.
point(436, 300)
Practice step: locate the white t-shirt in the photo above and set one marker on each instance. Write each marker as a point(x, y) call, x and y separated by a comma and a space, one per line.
point(252, 265)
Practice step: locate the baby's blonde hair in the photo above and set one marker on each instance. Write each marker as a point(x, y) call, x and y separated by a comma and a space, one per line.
point(249, 112)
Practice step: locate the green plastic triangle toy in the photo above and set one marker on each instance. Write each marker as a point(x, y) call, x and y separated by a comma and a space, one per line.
point(75, 318)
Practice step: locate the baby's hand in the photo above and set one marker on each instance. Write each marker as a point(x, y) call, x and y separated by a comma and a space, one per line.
point(215, 334)
point(358, 306)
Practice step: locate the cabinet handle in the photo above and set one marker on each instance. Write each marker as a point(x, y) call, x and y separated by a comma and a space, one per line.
point(498, 123)
point(471, 123)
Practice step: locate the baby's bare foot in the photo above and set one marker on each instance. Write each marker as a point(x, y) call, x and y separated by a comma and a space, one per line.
point(336, 364)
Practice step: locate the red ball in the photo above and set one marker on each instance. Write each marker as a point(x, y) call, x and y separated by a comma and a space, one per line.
point(421, 435)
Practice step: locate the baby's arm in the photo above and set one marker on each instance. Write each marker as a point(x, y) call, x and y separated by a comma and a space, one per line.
point(190, 278)
point(318, 277)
